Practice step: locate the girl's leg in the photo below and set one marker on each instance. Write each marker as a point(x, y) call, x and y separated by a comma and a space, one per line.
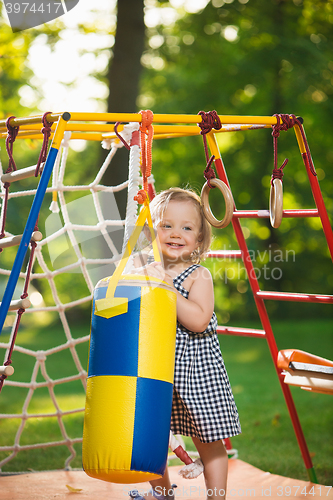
point(163, 485)
point(215, 459)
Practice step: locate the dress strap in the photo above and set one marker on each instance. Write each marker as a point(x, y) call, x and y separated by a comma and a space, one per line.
point(184, 274)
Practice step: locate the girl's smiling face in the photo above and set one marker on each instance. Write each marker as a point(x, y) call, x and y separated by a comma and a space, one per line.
point(179, 232)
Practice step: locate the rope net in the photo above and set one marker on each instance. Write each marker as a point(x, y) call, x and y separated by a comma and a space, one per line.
point(83, 236)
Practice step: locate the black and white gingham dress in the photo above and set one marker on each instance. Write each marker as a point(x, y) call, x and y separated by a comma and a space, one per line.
point(203, 404)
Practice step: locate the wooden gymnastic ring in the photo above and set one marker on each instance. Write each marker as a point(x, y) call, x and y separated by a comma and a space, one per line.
point(229, 203)
point(276, 203)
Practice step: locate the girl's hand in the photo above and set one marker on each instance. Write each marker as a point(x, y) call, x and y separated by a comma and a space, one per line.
point(155, 270)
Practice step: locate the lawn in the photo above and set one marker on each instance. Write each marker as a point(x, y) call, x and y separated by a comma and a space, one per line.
point(267, 440)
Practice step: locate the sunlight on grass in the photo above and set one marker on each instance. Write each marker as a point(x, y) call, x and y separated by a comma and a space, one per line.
point(237, 389)
point(44, 404)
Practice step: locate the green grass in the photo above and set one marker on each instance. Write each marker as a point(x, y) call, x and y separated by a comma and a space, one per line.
point(267, 440)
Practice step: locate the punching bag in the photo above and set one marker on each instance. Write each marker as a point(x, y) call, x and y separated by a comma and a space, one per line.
point(130, 377)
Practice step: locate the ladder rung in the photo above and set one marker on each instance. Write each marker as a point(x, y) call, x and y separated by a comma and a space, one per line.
point(22, 173)
point(11, 241)
point(221, 254)
point(296, 297)
point(245, 332)
point(264, 214)
point(6, 370)
point(19, 304)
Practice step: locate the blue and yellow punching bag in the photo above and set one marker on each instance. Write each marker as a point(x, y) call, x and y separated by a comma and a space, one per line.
point(130, 375)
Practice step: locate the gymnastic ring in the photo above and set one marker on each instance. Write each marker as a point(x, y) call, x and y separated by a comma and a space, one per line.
point(228, 199)
point(276, 203)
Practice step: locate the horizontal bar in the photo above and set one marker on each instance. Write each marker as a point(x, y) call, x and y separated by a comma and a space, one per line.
point(164, 118)
point(96, 135)
point(160, 131)
point(22, 173)
point(262, 214)
point(247, 121)
point(16, 122)
point(166, 128)
point(221, 254)
point(19, 304)
point(6, 370)
point(296, 297)
point(11, 241)
point(92, 127)
point(244, 332)
point(31, 134)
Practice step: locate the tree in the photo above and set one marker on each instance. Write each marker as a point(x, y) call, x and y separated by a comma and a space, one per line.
point(123, 77)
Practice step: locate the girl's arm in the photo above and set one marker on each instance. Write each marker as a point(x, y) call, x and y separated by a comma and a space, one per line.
point(196, 311)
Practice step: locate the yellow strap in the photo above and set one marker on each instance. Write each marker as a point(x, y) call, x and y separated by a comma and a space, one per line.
point(111, 305)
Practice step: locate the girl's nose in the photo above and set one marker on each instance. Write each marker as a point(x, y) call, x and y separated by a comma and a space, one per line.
point(175, 233)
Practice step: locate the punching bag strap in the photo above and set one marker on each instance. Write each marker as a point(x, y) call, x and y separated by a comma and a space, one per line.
point(113, 306)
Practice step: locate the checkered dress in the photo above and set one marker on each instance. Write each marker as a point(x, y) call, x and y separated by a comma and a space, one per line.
point(203, 404)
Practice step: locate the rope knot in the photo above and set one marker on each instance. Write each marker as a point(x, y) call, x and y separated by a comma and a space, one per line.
point(10, 139)
point(289, 121)
point(146, 129)
point(278, 173)
point(209, 172)
point(284, 122)
point(141, 196)
point(209, 120)
point(46, 131)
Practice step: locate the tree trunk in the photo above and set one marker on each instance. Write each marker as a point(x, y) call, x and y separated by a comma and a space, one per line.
point(125, 66)
point(123, 75)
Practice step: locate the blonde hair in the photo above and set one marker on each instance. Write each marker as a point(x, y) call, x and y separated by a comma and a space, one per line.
point(160, 203)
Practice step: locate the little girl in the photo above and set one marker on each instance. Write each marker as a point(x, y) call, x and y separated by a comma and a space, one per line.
point(203, 405)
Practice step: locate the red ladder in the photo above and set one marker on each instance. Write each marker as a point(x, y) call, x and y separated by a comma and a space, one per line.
point(259, 295)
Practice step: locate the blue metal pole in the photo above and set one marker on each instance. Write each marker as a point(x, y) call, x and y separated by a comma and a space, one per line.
point(32, 219)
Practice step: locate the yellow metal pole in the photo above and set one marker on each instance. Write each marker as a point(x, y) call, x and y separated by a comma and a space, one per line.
point(136, 117)
point(164, 118)
point(16, 122)
point(299, 138)
point(59, 132)
point(213, 146)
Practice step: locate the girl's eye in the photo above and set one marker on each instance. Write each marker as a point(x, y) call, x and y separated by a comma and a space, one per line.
point(187, 228)
point(166, 226)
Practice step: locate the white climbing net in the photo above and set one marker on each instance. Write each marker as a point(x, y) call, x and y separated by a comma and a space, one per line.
point(46, 398)
point(83, 238)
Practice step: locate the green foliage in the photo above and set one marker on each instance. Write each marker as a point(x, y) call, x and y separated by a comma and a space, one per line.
point(15, 73)
point(238, 57)
point(252, 58)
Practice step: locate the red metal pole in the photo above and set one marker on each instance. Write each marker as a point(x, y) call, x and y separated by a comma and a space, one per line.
point(315, 188)
point(264, 317)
